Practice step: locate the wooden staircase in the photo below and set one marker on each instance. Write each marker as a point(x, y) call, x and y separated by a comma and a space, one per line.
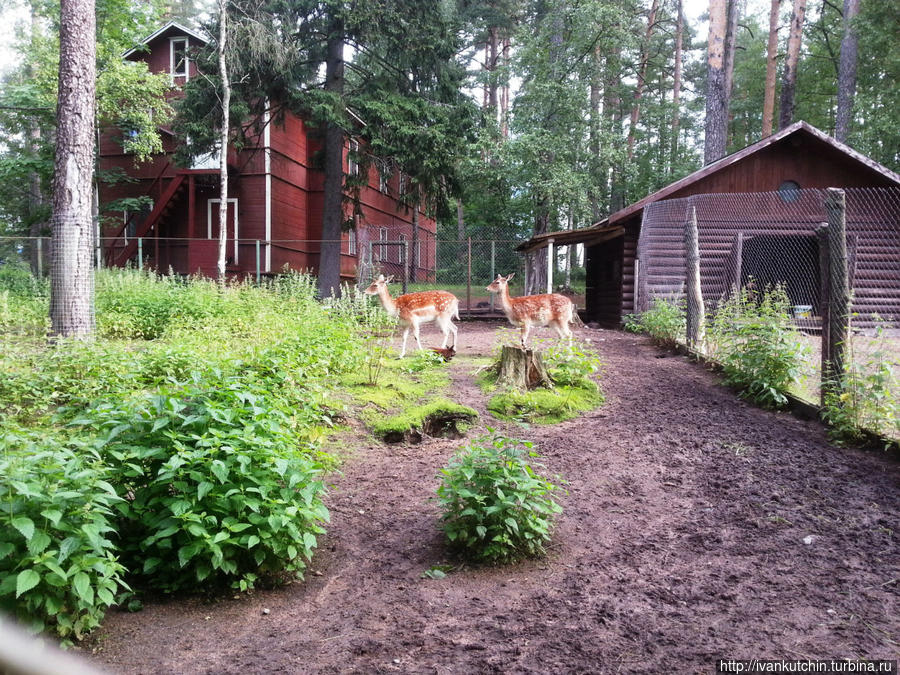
point(161, 209)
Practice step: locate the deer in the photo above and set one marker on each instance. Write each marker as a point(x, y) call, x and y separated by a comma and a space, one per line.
point(414, 309)
point(549, 309)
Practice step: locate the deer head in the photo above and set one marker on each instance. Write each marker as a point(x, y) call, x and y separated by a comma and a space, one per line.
point(498, 284)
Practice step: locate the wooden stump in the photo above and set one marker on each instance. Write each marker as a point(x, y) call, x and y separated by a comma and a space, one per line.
point(523, 369)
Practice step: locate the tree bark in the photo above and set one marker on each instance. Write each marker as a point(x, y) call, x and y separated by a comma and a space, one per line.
point(771, 63)
point(716, 100)
point(223, 142)
point(329, 281)
point(522, 369)
point(676, 87)
point(642, 76)
point(847, 72)
point(730, 49)
point(413, 261)
point(537, 271)
point(613, 115)
point(594, 132)
point(792, 59)
point(72, 275)
point(696, 314)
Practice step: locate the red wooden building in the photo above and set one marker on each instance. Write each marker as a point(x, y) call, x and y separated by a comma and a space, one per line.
point(776, 218)
point(275, 197)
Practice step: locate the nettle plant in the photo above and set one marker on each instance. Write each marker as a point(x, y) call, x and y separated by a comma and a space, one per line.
point(58, 564)
point(214, 487)
point(664, 322)
point(496, 508)
point(754, 339)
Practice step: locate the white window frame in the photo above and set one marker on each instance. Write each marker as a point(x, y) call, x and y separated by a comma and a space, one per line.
point(383, 182)
point(187, 64)
point(209, 212)
point(351, 242)
point(352, 164)
point(382, 236)
point(401, 238)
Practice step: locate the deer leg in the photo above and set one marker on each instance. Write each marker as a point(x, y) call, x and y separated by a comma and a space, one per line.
point(416, 335)
point(526, 328)
point(454, 330)
point(405, 335)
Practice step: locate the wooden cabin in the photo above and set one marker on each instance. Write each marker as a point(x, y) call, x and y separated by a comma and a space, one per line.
point(772, 221)
point(275, 197)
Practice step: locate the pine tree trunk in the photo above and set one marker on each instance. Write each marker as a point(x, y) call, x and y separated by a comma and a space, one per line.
point(792, 59)
point(413, 261)
point(730, 48)
point(504, 94)
point(642, 76)
point(716, 99)
point(676, 87)
point(594, 139)
point(847, 72)
point(613, 115)
point(72, 275)
point(771, 57)
point(223, 142)
point(460, 221)
point(329, 281)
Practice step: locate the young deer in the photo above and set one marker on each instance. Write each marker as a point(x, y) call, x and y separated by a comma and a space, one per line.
point(414, 309)
point(550, 309)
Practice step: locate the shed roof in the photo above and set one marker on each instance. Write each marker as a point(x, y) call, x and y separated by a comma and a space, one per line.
point(587, 235)
point(172, 27)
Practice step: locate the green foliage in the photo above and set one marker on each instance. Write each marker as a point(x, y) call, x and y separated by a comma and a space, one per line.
point(420, 418)
point(59, 569)
point(496, 508)
point(214, 488)
point(664, 322)
point(867, 396)
point(754, 339)
point(24, 301)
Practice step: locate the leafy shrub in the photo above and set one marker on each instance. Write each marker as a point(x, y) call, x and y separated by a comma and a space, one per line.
point(664, 322)
point(866, 398)
point(24, 301)
point(58, 567)
point(495, 507)
point(754, 339)
point(215, 489)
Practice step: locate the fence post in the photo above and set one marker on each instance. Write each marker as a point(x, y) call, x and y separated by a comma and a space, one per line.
point(695, 308)
point(469, 280)
point(738, 261)
point(493, 268)
point(40, 257)
point(140, 254)
point(257, 262)
point(405, 265)
point(824, 306)
point(839, 291)
point(549, 265)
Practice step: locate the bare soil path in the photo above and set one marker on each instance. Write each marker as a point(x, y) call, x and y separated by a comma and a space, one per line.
point(695, 527)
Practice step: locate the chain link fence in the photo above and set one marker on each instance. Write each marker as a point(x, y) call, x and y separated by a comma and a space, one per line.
point(781, 239)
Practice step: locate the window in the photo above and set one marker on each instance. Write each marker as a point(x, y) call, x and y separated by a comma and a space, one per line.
point(383, 179)
point(382, 236)
point(401, 249)
point(178, 58)
point(351, 242)
point(352, 158)
point(401, 181)
point(789, 191)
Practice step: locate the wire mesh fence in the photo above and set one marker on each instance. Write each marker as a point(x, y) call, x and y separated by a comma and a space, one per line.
point(788, 240)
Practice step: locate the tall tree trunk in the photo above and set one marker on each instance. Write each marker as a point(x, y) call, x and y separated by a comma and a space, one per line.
point(537, 273)
point(716, 99)
point(612, 114)
point(329, 281)
point(594, 140)
point(847, 72)
point(730, 48)
point(789, 75)
point(413, 260)
point(460, 221)
point(35, 191)
point(771, 62)
point(491, 54)
point(642, 76)
point(71, 272)
point(676, 87)
point(223, 142)
point(504, 92)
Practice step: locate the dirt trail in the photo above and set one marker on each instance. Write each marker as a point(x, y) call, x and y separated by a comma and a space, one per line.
point(696, 527)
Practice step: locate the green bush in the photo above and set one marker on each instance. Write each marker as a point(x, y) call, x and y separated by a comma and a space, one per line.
point(495, 507)
point(664, 322)
point(58, 565)
point(215, 488)
point(754, 339)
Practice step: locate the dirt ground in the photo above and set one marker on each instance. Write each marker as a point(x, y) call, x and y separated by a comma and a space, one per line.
point(695, 527)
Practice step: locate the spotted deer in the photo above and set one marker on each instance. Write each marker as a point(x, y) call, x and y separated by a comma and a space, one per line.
point(550, 309)
point(414, 309)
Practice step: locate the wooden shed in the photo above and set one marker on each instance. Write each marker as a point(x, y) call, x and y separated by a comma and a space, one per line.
point(783, 165)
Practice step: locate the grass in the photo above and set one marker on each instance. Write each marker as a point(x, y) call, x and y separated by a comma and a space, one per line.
point(439, 417)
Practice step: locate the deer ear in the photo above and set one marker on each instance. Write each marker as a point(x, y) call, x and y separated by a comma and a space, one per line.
point(380, 277)
point(389, 279)
point(510, 276)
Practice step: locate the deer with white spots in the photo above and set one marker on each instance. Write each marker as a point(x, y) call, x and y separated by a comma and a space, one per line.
point(550, 309)
point(414, 309)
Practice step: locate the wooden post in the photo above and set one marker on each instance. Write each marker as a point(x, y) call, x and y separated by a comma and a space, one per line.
point(40, 257)
point(405, 266)
point(493, 268)
point(469, 279)
point(824, 303)
point(839, 300)
point(257, 262)
point(738, 261)
point(695, 309)
point(549, 266)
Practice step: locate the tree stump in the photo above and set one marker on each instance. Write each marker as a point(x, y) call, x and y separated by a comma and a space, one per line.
point(523, 369)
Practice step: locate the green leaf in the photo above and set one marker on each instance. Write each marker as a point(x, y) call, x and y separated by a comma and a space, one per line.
point(53, 515)
point(25, 526)
point(219, 470)
point(82, 585)
point(39, 542)
point(203, 489)
point(5, 549)
point(26, 580)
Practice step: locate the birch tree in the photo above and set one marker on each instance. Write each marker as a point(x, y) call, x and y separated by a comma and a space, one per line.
point(223, 140)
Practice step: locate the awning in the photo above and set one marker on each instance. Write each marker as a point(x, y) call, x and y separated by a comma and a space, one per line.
point(589, 236)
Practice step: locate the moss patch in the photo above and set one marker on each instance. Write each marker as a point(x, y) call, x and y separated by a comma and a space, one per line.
point(441, 417)
point(545, 406)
